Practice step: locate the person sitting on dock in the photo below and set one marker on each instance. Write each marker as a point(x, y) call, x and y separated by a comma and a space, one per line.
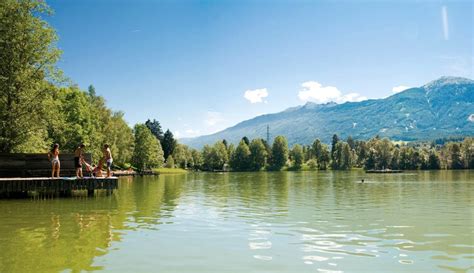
point(78, 159)
point(94, 171)
point(53, 156)
point(108, 159)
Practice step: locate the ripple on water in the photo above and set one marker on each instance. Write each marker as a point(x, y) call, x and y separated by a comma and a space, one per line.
point(260, 245)
point(263, 257)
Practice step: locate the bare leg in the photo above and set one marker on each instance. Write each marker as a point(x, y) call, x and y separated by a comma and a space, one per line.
point(53, 169)
point(58, 168)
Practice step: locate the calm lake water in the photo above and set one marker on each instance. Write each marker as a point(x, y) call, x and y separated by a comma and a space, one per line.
point(250, 222)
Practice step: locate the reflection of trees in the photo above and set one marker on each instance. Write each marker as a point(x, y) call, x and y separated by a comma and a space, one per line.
point(67, 234)
point(53, 237)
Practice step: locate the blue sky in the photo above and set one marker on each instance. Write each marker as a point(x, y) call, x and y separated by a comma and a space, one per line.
point(189, 63)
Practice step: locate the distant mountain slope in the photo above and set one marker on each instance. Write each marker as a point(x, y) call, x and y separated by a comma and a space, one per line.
point(441, 108)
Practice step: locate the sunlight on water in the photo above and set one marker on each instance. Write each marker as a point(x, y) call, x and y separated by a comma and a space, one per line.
point(250, 222)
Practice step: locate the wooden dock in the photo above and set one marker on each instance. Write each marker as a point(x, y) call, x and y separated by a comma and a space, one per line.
point(63, 186)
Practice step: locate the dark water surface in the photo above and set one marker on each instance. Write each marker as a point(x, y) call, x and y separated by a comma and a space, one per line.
point(250, 222)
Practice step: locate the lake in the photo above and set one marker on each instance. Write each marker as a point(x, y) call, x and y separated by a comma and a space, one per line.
point(250, 222)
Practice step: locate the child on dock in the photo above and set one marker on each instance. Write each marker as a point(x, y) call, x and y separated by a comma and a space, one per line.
point(53, 156)
point(94, 171)
point(108, 159)
point(78, 159)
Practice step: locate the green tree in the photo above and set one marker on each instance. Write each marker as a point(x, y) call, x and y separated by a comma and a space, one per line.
point(169, 162)
point(351, 142)
point(433, 160)
point(246, 140)
point(181, 156)
point(312, 164)
point(279, 153)
point(147, 152)
point(335, 140)
point(240, 160)
point(383, 150)
point(155, 128)
point(324, 158)
point(197, 159)
point(455, 156)
point(468, 152)
point(121, 139)
point(28, 55)
point(215, 157)
point(317, 149)
point(91, 91)
point(346, 157)
point(297, 156)
point(168, 143)
point(258, 154)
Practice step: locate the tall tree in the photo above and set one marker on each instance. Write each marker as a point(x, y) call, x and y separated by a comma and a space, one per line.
point(168, 143)
point(155, 128)
point(468, 152)
point(91, 91)
point(325, 157)
point(335, 140)
point(297, 156)
point(258, 154)
point(346, 157)
point(455, 156)
point(147, 152)
point(246, 140)
point(351, 142)
point(240, 160)
point(28, 55)
point(433, 160)
point(121, 139)
point(279, 153)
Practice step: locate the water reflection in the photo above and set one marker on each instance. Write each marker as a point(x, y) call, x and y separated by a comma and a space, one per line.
point(260, 222)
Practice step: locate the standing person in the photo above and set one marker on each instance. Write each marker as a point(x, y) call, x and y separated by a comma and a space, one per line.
point(53, 156)
point(108, 158)
point(78, 158)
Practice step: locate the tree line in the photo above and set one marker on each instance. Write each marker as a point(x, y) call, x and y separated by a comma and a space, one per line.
point(375, 153)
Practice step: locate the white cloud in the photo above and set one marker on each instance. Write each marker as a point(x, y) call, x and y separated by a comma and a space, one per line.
point(400, 88)
point(177, 134)
point(257, 95)
point(213, 118)
point(444, 17)
point(316, 92)
point(471, 118)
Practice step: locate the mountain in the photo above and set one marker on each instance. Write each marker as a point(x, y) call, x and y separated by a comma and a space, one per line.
point(441, 108)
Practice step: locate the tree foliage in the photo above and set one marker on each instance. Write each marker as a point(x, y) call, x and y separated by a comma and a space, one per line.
point(168, 143)
point(28, 55)
point(147, 152)
point(279, 153)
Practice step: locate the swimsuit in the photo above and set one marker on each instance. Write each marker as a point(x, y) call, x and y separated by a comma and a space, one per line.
point(55, 160)
point(77, 162)
point(109, 163)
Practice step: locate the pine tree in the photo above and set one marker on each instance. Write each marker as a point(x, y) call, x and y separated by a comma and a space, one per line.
point(169, 143)
point(155, 128)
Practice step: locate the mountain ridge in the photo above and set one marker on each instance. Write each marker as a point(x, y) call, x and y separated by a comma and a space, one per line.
point(441, 108)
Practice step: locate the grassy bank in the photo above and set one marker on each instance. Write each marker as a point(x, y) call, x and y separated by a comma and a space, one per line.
point(170, 171)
